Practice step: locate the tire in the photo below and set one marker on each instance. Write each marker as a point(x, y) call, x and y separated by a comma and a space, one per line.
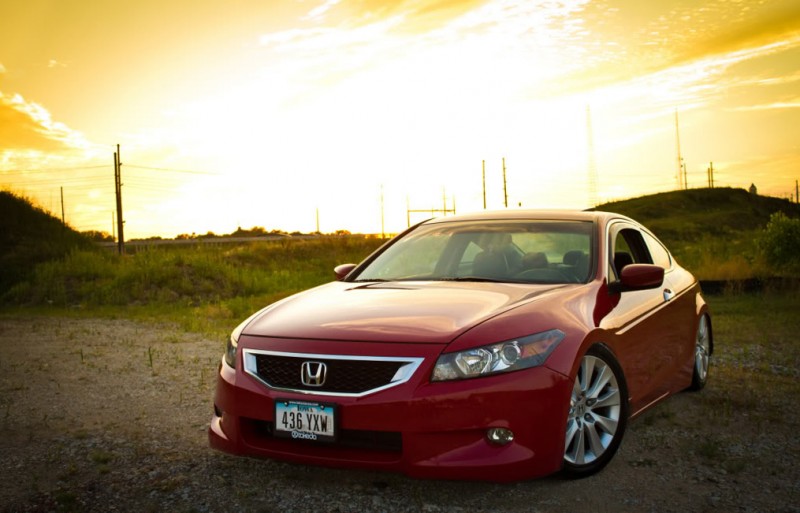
point(702, 354)
point(598, 414)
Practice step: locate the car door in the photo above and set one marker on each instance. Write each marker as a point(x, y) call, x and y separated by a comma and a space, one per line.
point(641, 321)
point(674, 371)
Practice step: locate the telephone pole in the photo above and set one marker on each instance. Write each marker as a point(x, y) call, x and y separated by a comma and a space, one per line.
point(505, 189)
point(62, 206)
point(483, 166)
point(118, 188)
point(711, 175)
point(679, 176)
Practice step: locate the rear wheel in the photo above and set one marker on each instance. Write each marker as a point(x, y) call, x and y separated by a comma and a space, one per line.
point(702, 354)
point(598, 414)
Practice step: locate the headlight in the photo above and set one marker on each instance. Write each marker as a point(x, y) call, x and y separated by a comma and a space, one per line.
point(233, 343)
point(230, 351)
point(520, 353)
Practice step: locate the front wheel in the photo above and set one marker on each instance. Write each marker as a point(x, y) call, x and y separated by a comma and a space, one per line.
point(598, 414)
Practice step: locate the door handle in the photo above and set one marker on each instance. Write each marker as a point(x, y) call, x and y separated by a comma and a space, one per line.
point(668, 294)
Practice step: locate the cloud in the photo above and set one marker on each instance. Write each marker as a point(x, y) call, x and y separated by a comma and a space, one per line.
point(319, 12)
point(775, 24)
point(28, 126)
point(792, 104)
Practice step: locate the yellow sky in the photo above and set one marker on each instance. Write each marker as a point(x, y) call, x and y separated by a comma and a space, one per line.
point(251, 113)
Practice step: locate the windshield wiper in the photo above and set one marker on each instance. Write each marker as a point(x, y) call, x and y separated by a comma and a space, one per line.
point(471, 278)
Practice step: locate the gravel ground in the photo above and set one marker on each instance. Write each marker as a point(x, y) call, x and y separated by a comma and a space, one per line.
point(111, 415)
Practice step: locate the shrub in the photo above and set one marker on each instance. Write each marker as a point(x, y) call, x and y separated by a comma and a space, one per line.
point(779, 243)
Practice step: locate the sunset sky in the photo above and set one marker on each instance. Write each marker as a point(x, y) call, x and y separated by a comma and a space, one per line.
point(260, 113)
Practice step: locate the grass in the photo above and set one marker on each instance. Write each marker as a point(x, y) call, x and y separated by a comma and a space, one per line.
point(740, 419)
point(203, 288)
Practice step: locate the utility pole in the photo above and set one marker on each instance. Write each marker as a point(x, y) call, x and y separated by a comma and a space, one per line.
point(318, 220)
point(118, 187)
point(505, 189)
point(796, 192)
point(711, 175)
point(678, 149)
point(62, 206)
point(483, 166)
point(383, 229)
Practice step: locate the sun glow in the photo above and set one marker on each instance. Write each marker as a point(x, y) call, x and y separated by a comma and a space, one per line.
point(353, 113)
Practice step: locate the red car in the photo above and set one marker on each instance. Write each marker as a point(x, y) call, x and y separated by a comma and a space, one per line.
point(496, 346)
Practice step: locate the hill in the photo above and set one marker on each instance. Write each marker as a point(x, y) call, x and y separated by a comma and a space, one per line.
point(681, 218)
point(710, 231)
point(28, 236)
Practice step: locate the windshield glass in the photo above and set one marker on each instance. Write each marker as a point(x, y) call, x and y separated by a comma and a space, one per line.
point(508, 251)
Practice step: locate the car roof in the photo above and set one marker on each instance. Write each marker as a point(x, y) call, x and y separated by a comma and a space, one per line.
point(532, 215)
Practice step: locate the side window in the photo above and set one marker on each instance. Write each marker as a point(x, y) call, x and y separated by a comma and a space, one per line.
point(629, 248)
point(657, 251)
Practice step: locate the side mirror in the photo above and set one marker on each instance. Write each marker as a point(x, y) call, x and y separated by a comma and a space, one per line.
point(341, 271)
point(639, 277)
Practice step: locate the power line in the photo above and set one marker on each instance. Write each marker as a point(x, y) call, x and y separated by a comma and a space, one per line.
point(150, 168)
point(46, 170)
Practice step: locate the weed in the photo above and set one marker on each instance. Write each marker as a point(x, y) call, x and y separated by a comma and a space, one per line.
point(66, 500)
point(709, 449)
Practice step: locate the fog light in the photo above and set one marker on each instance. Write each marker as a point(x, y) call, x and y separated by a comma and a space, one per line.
point(499, 436)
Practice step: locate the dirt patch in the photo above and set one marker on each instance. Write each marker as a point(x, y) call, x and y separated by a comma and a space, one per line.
point(111, 415)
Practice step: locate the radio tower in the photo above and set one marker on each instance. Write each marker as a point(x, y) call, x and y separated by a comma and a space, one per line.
point(679, 160)
point(592, 166)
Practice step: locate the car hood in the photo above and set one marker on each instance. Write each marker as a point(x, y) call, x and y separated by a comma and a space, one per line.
point(409, 312)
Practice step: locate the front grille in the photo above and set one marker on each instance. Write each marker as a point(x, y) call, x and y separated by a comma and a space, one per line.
point(344, 375)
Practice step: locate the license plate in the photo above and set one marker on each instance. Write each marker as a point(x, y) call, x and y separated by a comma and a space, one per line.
point(303, 420)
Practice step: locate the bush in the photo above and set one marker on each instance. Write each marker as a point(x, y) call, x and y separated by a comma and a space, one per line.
point(779, 244)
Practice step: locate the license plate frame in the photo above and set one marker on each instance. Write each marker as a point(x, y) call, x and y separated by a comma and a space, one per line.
point(306, 420)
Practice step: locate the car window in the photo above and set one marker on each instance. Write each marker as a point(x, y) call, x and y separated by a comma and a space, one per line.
point(412, 256)
point(658, 252)
point(513, 251)
point(629, 247)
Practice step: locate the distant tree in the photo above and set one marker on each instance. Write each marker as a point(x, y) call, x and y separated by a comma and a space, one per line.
point(98, 236)
point(779, 243)
point(256, 231)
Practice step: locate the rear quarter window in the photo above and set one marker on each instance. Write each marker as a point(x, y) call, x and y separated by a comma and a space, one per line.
point(659, 253)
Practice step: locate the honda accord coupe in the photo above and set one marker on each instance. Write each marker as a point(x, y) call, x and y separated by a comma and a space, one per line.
point(495, 346)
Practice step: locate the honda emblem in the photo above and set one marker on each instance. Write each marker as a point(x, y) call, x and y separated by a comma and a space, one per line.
point(313, 374)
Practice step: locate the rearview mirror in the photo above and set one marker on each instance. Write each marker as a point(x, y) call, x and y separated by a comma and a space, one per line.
point(341, 271)
point(640, 277)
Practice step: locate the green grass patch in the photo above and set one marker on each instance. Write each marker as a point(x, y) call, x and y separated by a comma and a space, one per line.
point(203, 288)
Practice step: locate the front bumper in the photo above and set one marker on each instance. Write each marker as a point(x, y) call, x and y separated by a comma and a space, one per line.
point(422, 429)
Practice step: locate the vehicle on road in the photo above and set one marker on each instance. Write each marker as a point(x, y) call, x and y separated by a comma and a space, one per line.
point(493, 346)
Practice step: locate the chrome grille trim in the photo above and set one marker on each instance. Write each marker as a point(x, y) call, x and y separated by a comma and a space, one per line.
point(408, 366)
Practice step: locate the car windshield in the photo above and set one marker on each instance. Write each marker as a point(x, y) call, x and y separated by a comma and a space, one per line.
point(505, 251)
